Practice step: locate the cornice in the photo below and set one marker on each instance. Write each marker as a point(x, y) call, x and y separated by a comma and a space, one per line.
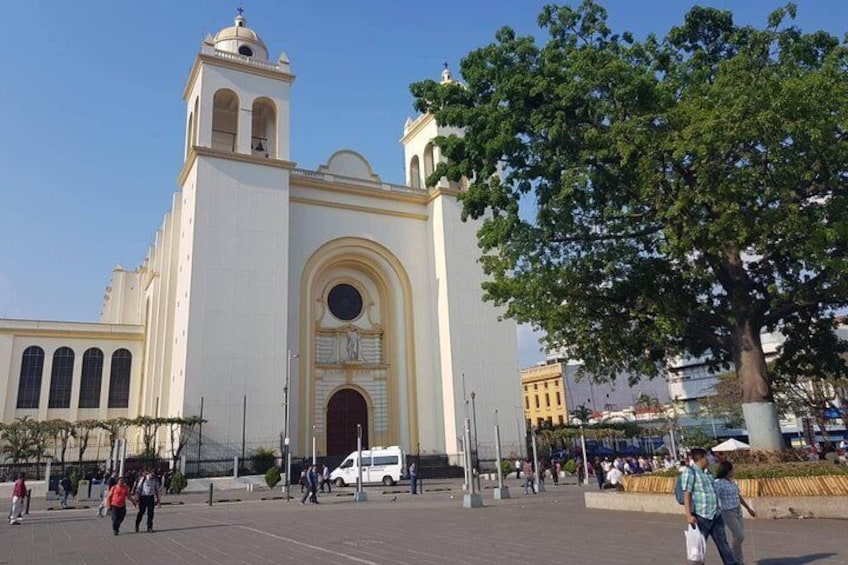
point(234, 65)
point(198, 151)
point(442, 192)
point(417, 126)
point(357, 208)
point(348, 189)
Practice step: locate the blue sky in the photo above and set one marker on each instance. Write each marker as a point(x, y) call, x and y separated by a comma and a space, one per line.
point(92, 115)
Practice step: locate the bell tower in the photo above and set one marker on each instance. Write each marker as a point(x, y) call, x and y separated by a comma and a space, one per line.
point(231, 291)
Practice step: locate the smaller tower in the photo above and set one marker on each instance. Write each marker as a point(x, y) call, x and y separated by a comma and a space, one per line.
point(421, 154)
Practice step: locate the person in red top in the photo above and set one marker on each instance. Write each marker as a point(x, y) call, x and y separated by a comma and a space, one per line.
point(116, 500)
point(19, 492)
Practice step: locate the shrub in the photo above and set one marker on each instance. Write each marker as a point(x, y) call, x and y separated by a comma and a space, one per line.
point(570, 467)
point(775, 470)
point(178, 483)
point(506, 467)
point(272, 477)
point(263, 459)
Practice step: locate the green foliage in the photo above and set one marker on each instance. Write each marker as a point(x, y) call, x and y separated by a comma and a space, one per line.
point(75, 479)
point(776, 470)
point(570, 467)
point(506, 467)
point(697, 438)
point(647, 199)
point(272, 477)
point(263, 459)
point(178, 482)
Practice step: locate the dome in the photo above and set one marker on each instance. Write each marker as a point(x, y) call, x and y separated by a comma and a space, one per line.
point(241, 40)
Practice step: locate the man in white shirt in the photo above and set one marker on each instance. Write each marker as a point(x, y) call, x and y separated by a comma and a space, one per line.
point(613, 479)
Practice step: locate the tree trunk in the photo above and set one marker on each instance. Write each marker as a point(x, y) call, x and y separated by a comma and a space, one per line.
point(757, 403)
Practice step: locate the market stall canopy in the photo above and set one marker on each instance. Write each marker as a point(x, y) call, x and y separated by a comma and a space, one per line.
point(732, 445)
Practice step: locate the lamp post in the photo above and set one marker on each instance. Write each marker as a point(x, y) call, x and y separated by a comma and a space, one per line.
point(585, 459)
point(538, 485)
point(287, 439)
point(476, 452)
point(472, 498)
point(501, 492)
point(314, 446)
point(360, 495)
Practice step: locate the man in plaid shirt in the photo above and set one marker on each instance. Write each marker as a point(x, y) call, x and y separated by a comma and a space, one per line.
point(701, 504)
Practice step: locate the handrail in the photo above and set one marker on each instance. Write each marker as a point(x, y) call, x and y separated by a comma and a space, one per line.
point(353, 181)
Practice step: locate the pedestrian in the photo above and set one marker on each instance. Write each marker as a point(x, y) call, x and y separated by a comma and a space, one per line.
point(557, 467)
point(19, 493)
point(600, 474)
point(304, 484)
point(311, 486)
point(116, 503)
point(147, 493)
point(413, 478)
point(169, 478)
point(67, 487)
point(325, 479)
point(108, 482)
point(701, 505)
point(528, 478)
point(581, 472)
point(729, 504)
point(518, 465)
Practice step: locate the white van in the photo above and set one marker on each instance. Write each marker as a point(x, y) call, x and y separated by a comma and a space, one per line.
point(385, 465)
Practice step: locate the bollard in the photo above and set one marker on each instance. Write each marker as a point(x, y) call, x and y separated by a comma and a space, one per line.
point(29, 496)
point(210, 493)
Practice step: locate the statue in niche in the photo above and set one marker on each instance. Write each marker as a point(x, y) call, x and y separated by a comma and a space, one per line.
point(352, 345)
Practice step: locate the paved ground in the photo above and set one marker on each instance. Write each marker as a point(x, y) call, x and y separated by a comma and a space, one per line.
point(395, 528)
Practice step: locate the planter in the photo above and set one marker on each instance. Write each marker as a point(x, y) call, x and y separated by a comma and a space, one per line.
point(828, 485)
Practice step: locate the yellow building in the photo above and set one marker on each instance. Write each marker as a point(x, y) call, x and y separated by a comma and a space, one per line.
point(544, 395)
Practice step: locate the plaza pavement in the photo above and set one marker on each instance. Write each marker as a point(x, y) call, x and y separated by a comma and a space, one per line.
point(396, 528)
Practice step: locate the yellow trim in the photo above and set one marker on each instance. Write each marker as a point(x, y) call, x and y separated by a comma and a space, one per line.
point(197, 151)
point(227, 64)
point(297, 180)
point(65, 334)
point(417, 126)
point(355, 208)
point(335, 253)
point(442, 192)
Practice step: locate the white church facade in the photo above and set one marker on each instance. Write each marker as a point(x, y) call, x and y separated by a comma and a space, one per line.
point(365, 293)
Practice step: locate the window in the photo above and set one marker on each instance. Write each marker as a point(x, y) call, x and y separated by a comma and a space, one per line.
point(92, 377)
point(32, 366)
point(559, 399)
point(535, 387)
point(385, 460)
point(119, 379)
point(561, 421)
point(225, 120)
point(547, 400)
point(546, 385)
point(540, 422)
point(246, 51)
point(429, 162)
point(527, 402)
point(61, 378)
point(537, 401)
point(263, 135)
point(345, 302)
point(414, 173)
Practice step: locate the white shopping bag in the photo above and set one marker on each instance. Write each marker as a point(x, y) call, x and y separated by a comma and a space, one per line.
point(696, 545)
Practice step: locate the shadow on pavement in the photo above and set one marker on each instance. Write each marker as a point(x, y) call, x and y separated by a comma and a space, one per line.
point(801, 560)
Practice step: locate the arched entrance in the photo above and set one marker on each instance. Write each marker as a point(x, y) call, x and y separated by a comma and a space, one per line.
point(346, 409)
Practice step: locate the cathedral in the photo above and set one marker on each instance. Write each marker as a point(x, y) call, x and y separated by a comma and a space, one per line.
point(283, 302)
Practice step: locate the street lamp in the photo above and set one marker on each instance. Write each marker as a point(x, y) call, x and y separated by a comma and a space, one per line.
point(287, 439)
point(476, 451)
point(314, 447)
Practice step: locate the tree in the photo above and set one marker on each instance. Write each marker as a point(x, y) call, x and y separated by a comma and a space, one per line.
point(113, 427)
point(61, 431)
point(582, 414)
point(83, 430)
point(642, 200)
point(179, 430)
point(149, 426)
point(725, 400)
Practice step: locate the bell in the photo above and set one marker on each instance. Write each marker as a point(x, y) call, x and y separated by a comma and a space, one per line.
point(259, 146)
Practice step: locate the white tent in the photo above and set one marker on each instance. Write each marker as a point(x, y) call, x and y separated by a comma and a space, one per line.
point(732, 445)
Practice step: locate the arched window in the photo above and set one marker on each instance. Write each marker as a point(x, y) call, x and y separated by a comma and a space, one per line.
point(92, 377)
point(225, 120)
point(119, 379)
point(263, 135)
point(189, 133)
point(429, 162)
point(196, 120)
point(61, 378)
point(415, 173)
point(32, 367)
